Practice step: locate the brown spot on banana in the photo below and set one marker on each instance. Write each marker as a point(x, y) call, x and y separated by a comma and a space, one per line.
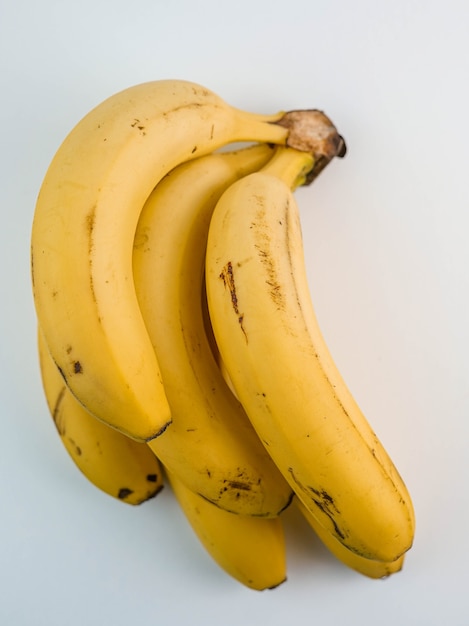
point(56, 413)
point(265, 254)
point(234, 484)
point(227, 276)
point(139, 126)
point(124, 493)
point(89, 225)
point(323, 500)
point(77, 448)
point(325, 503)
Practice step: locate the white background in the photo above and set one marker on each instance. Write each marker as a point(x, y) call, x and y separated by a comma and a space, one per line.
point(386, 241)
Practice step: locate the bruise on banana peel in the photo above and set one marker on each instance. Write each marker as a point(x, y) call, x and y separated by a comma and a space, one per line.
point(227, 277)
point(241, 489)
point(323, 500)
point(320, 498)
point(239, 486)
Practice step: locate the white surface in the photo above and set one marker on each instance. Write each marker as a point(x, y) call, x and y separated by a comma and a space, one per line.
point(385, 232)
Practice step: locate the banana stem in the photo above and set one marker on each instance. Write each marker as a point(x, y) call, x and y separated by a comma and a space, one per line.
point(311, 131)
point(290, 165)
point(307, 131)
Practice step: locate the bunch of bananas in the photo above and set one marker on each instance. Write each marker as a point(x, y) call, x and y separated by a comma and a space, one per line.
point(177, 337)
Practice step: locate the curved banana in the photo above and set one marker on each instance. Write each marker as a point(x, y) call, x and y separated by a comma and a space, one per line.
point(250, 549)
point(367, 567)
point(83, 231)
point(211, 444)
point(119, 466)
point(283, 373)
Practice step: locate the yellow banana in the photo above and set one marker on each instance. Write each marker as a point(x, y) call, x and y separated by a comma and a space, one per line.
point(283, 373)
point(83, 231)
point(367, 567)
point(211, 444)
point(123, 468)
point(250, 549)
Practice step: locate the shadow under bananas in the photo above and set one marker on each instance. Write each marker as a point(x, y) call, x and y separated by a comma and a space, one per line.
point(306, 555)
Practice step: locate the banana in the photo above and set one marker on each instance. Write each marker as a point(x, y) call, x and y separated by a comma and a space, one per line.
point(211, 445)
point(367, 567)
point(119, 466)
point(283, 373)
point(250, 549)
point(83, 231)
